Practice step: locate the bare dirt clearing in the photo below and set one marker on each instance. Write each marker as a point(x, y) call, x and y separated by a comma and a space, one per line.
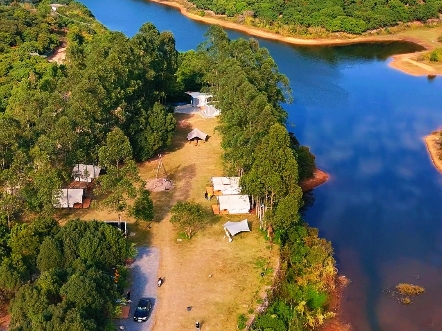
point(217, 279)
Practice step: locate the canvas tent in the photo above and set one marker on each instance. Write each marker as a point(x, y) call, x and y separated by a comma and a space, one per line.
point(66, 198)
point(202, 101)
point(85, 172)
point(196, 134)
point(226, 185)
point(234, 204)
point(199, 99)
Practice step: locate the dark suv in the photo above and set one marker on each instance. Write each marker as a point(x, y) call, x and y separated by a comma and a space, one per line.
point(143, 310)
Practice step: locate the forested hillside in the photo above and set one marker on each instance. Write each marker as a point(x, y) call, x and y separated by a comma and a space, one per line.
point(54, 116)
point(103, 105)
point(349, 16)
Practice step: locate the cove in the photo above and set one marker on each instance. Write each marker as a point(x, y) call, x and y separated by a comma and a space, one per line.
point(364, 122)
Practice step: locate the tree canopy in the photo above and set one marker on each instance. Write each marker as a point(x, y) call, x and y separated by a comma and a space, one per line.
point(349, 16)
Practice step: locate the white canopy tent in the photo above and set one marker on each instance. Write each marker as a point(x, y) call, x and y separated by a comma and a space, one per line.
point(232, 228)
point(85, 172)
point(234, 204)
point(226, 185)
point(66, 198)
point(196, 133)
point(237, 227)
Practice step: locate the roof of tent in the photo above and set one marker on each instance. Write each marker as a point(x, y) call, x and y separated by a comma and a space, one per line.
point(85, 172)
point(234, 204)
point(196, 133)
point(236, 227)
point(66, 198)
point(227, 185)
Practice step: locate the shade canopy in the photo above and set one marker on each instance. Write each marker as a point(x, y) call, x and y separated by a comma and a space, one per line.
point(196, 133)
point(236, 227)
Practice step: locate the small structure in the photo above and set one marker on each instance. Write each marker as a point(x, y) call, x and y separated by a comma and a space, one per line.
point(232, 228)
point(202, 101)
point(69, 198)
point(225, 185)
point(55, 6)
point(233, 204)
point(196, 135)
point(85, 172)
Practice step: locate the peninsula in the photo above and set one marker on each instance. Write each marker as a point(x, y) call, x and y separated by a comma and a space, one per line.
point(408, 63)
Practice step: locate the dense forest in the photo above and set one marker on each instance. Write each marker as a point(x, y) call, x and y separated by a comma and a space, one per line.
point(107, 104)
point(350, 16)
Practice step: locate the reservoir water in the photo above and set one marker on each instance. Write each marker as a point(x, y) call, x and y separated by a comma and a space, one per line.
point(365, 122)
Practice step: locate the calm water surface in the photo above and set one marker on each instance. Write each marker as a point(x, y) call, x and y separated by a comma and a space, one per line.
point(364, 122)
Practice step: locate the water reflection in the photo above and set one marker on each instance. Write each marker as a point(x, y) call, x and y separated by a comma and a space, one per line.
point(366, 51)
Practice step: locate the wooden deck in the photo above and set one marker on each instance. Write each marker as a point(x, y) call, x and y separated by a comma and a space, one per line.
point(86, 204)
point(215, 209)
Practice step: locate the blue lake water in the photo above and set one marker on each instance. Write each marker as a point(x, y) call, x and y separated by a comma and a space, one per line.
point(365, 122)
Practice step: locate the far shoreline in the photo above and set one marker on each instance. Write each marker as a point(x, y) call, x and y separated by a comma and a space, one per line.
point(405, 63)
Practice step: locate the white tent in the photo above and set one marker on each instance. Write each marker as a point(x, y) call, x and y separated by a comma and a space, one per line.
point(199, 99)
point(66, 198)
point(196, 133)
point(236, 227)
point(226, 185)
point(85, 172)
point(234, 204)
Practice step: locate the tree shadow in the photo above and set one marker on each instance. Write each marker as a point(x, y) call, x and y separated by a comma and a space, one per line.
point(183, 127)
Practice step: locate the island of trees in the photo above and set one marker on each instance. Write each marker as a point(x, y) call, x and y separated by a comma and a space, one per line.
point(107, 104)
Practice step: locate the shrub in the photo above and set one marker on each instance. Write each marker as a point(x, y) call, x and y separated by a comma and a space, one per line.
point(242, 320)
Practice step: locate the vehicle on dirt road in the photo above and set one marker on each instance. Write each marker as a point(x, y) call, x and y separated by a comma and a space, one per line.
point(143, 310)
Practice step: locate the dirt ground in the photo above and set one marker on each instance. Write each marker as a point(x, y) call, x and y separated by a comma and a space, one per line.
point(217, 279)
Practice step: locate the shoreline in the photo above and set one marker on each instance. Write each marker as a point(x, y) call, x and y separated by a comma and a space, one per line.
point(433, 149)
point(319, 178)
point(405, 63)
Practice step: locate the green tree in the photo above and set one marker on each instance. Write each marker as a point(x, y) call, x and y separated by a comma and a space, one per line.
point(188, 216)
point(121, 171)
point(50, 255)
point(143, 207)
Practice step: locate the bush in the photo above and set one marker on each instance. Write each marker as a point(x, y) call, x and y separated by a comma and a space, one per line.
point(242, 320)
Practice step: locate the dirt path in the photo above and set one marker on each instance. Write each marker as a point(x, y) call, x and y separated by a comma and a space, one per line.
point(58, 55)
point(216, 279)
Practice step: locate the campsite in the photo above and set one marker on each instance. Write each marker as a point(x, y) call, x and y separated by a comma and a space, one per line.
point(219, 279)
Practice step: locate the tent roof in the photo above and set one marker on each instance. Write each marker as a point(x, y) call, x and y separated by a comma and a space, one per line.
point(67, 197)
point(85, 172)
point(227, 185)
point(196, 133)
point(236, 227)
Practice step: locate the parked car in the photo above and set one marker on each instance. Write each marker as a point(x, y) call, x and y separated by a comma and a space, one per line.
point(143, 310)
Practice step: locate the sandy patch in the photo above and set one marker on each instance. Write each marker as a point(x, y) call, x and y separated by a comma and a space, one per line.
point(433, 149)
point(59, 54)
point(319, 178)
